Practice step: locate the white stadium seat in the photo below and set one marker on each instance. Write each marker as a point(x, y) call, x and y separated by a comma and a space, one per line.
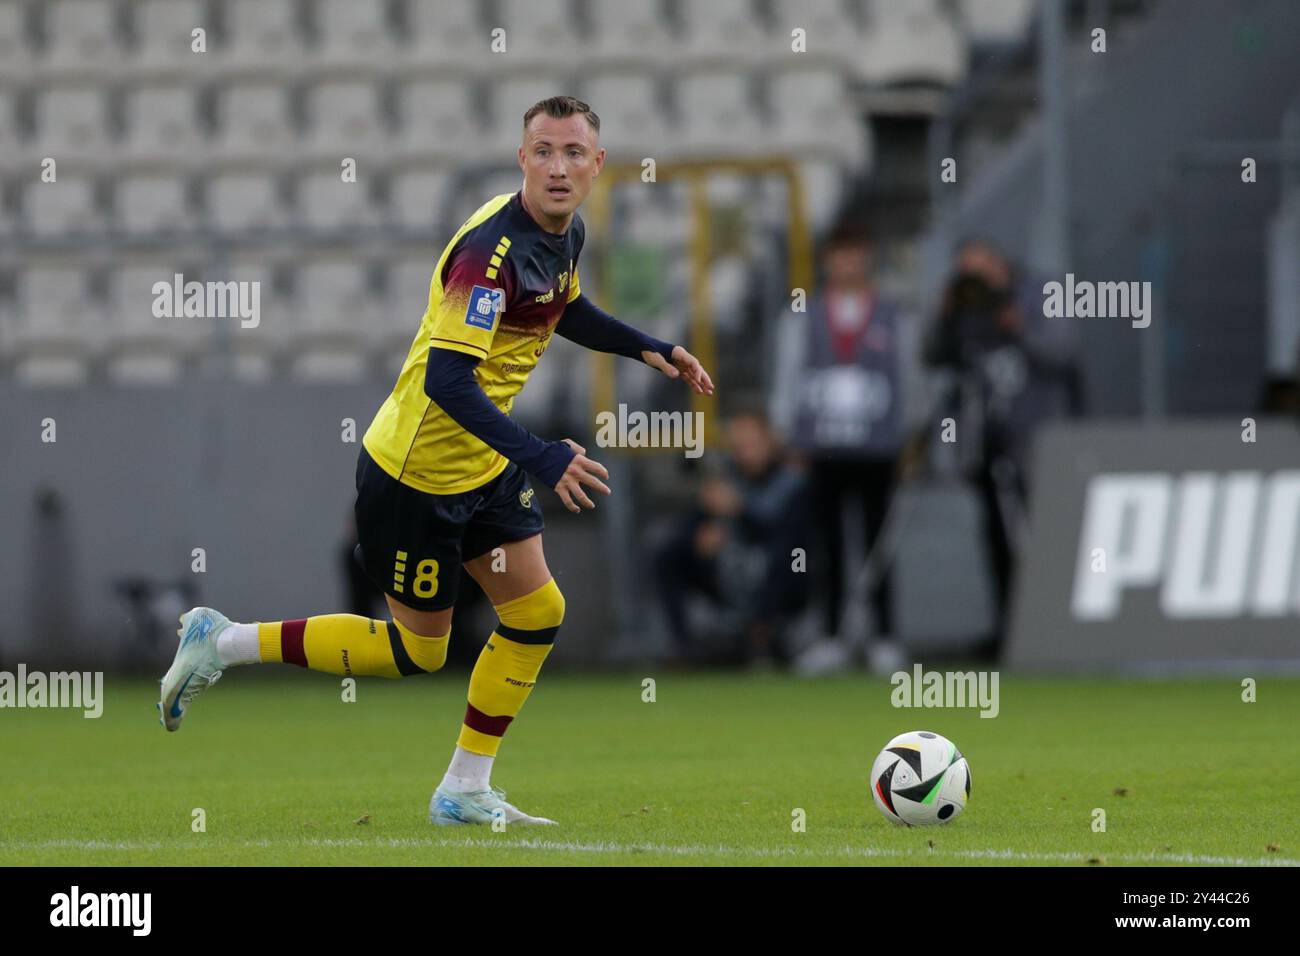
point(72, 120)
point(148, 204)
point(409, 277)
point(538, 32)
point(345, 119)
point(144, 348)
point(353, 33)
point(996, 21)
point(910, 42)
point(58, 325)
point(15, 51)
point(812, 114)
point(717, 113)
point(335, 315)
point(830, 32)
point(446, 35)
point(326, 202)
point(418, 198)
point(632, 122)
point(629, 31)
point(262, 34)
point(162, 122)
point(723, 31)
point(164, 31)
point(257, 350)
point(436, 119)
point(11, 145)
point(510, 99)
point(254, 121)
point(244, 200)
point(62, 207)
point(82, 36)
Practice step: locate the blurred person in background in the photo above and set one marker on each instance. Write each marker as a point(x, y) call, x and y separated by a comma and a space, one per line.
point(1013, 369)
point(733, 550)
point(840, 390)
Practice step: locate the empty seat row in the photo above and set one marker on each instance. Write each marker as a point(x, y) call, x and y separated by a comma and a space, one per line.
point(806, 109)
point(94, 36)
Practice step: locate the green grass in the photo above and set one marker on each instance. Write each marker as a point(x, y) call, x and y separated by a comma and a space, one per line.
point(708, 774)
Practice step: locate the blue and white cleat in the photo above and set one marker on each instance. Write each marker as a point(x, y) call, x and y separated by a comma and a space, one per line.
point(449, 809)
point(196, 666)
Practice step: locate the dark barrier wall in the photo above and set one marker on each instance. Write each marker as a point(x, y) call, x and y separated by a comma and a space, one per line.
point(1163, 547)
point(259, 477)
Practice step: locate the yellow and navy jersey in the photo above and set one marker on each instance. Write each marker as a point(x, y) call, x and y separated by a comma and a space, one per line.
point(498, 290)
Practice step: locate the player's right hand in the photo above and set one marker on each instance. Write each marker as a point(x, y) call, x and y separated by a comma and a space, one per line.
point(581, 471)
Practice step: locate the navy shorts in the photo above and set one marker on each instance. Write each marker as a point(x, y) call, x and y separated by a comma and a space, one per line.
point(412, 543)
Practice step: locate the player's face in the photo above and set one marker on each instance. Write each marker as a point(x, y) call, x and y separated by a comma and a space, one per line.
point(560, 159)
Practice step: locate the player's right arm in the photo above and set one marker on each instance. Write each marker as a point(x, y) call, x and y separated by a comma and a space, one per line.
point(463, 326)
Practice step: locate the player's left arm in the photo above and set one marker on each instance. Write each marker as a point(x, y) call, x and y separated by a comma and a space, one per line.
point(590, 326)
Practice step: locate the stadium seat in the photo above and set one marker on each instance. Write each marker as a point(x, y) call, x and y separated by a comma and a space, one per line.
point(627, 33)
point(994, 22)
point(445, 35)
point(436, 120)
point(254, 122)
point(57, 326)
point(510, 99)
point(335, 316)
point(82, 37)
point(261, 35)
point(345, 119)
point(141, 347)
point(147, 204)
point(15, 49)
point(908, 43)
point(717, 113)
point(813, 115)
point(353, 33)
point(164, 34)
point(61, 208)
point(407, 297)
point(723, 32)
point(831, 33)
point(257, 351)
point(538, 33)
point(162, 123)
point(11, 144)
point(418, 198)
point(72, 120)
point(239, 200)
point(632, 123)
point(325, 202)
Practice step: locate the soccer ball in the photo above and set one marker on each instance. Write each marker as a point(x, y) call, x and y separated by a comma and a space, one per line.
point(920, 779)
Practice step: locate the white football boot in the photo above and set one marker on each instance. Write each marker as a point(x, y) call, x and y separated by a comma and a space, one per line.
point(196, 666)
point(480, 806)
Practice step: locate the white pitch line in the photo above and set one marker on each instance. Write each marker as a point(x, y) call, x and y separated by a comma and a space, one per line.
point(604, 847)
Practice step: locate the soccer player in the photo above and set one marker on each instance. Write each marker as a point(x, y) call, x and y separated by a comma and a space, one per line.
point(443, 473)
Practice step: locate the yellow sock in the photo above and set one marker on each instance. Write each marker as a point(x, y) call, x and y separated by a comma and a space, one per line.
point(508, 666)
point(351, 645)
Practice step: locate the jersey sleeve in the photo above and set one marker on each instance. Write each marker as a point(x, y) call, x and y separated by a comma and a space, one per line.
point(466, 317)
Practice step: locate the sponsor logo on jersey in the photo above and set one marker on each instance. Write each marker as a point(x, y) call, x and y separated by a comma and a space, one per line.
point(484, 304)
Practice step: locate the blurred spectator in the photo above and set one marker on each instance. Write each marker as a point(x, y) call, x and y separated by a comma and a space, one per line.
point(734, 550)
point(1013, 369)
point(842, 369)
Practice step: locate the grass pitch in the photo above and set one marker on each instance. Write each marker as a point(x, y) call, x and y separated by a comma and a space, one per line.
point(708, 774)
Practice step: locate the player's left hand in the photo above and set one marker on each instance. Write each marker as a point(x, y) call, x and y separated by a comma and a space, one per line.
point(684, 365)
